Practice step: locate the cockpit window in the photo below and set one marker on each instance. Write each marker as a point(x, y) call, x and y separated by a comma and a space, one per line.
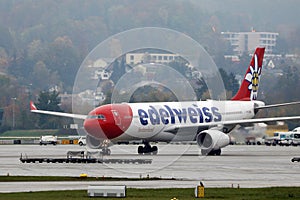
point(102, 117)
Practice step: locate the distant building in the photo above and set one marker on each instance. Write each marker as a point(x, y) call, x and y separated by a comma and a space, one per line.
point(101, 74)
point(136, 58)
point(245, 42)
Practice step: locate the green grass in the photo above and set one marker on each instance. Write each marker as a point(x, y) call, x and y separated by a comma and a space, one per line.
point(180, 194)
point(135, 194)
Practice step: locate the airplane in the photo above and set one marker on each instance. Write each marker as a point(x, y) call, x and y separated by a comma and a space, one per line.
point(209, 122)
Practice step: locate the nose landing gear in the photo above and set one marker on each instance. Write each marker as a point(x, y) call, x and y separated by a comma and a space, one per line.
point(105, 150)
point(147, 149)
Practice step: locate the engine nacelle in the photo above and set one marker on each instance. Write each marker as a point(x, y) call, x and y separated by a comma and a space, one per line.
point(93, 143)
point(212, 140)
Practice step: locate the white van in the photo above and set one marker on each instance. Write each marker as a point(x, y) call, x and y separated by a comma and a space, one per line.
point(295, 139)
point(48, 139)
point(82, 140)
point(285, 138)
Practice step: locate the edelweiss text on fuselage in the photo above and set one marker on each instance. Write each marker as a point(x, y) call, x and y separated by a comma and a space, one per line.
point(167, 115)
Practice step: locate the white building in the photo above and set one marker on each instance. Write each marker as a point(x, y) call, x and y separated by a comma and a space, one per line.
point(136, 58)
point(245, 42)
point(101, 74)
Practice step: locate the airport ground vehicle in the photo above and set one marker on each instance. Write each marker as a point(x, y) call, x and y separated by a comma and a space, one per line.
point(285, 138)
point(296, 159)
point(279, 138)
point(254, 140)
point(82, 141)
point(48, 139)
point(295, 137)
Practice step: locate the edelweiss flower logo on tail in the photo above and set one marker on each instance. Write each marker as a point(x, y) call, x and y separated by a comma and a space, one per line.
point(253, 78)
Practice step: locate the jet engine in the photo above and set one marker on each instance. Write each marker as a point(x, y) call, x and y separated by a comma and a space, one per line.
point(93, 143)
point(211, 141)
point(102, 144)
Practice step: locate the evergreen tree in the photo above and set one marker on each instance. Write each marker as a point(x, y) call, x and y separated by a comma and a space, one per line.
point(230, 83)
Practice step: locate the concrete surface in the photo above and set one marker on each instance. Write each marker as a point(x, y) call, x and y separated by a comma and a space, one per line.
point(246, 166)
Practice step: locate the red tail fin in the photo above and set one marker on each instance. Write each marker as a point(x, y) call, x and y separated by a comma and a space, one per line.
point(249, 86)
point(32, 106)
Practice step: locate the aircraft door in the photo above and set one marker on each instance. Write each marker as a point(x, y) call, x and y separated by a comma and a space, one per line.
point(117, 117)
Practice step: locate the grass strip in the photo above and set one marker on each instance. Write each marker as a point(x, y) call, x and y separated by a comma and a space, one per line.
point(180, 194)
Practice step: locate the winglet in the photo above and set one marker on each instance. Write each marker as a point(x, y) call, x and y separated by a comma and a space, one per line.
point(249, 86)
point(32, 106)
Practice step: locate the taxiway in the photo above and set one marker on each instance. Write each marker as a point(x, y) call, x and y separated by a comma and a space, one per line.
point(246, 166)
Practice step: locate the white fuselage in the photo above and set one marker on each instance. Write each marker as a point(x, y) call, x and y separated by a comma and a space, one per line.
point(155, 121)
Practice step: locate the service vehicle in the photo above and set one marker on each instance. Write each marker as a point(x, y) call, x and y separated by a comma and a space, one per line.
point(82, 141)
point(48, 139)
point(252, 140)
point(279, 138)
point(295, 137)
point(285, 138)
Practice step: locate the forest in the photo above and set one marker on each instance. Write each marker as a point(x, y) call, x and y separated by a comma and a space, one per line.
point(43, 43)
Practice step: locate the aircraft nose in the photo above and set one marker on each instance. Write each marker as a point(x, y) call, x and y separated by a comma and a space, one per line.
point(108, 121)
point(93, 127)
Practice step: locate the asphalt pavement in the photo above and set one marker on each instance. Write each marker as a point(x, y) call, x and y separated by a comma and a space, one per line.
point(239, 165)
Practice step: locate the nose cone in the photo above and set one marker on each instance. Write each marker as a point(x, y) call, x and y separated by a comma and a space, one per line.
point(93, 127)
point(108, 121)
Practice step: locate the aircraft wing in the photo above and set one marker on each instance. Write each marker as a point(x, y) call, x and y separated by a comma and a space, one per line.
point(61, 114)
point(278, 105)
point(233, 122)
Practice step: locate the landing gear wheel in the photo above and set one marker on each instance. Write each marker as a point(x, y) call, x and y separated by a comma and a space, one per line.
point(140, 150)
point(213, 152)
point(154, 150)
point(218, 152)
point(147, 149)
point(204, 152)
point(106, 151)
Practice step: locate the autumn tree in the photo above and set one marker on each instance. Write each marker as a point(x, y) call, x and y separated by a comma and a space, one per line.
point(63, 58)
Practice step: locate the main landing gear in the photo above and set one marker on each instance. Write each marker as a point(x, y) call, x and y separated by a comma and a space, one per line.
point(147, 149)
point(213, 152)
